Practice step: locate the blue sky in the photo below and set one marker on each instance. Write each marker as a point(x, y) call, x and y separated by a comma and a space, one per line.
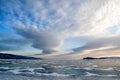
point(68, 27)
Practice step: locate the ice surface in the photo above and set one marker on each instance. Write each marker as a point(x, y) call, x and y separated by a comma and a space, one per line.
point(60, 70)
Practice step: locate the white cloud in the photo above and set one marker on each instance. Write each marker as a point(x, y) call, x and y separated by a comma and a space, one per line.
point(100, 43)
point(49, 23)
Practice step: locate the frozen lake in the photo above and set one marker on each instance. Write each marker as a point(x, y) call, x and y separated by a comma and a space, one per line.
point(106, 69)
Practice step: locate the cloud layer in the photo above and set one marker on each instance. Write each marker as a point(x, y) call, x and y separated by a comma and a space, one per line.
point(101, 43)
point(47, 24)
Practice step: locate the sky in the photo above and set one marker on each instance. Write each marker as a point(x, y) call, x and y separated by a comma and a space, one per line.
point(60, 28)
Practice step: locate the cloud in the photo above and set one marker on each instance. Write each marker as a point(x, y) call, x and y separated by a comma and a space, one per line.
point(46, 41)
point(63, 16)
point(12, 44)
point(101, 43)
point(6, 48)
point(47, 24)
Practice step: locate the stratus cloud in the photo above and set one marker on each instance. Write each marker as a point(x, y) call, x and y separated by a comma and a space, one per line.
point(48, 24)
point(101, 43)
point(12, 44)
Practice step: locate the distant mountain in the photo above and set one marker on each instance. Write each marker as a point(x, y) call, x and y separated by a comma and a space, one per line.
point(88, 58)
point(12, 56)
